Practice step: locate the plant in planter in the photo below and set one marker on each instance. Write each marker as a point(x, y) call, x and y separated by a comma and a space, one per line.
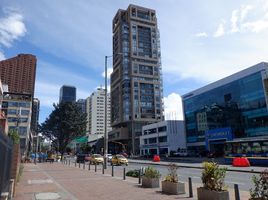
point(171, 184)
point(150, 178)
point(260, 190)
point(213, 183)
point(133, 173)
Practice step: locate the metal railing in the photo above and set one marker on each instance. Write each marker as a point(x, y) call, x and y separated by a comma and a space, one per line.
point(5, 162)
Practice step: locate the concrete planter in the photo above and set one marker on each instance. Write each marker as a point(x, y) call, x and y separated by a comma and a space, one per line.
point(205, 194)
point(173, 188)
point(150, 182)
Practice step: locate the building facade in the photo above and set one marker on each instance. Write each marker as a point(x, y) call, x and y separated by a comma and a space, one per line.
point(96, 112)
point(82, 104)
point(67, 94)
point(163, 137)
point(18, 110)
point(232, 108)
point(35, 116)
point(136, 81)
point(19, 73)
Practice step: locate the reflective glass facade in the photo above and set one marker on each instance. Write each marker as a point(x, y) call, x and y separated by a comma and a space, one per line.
point(67, 94)
point(240, 105)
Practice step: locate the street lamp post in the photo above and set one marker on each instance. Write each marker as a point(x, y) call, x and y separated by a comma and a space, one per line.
point(105, 146)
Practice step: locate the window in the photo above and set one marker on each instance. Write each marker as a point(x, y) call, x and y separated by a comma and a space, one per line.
point(162, 129)
point(152, 140)
point(163, 139)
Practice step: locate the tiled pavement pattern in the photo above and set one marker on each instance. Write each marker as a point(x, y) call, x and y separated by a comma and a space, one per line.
point(70, 182)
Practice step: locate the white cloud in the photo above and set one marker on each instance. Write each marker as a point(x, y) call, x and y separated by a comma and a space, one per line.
point(201, 34)
point(256, 26)
point(220, 30)
point(47, 93)
point(109, 72)
point(2, 56)
point(11, 27)
point(234, 20)
point(245, 11)
point(173, 107)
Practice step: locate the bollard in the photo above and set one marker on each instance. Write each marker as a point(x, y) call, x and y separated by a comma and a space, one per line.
point(112, 170)
point(236, 190)
point(79, 164)
point(89, 166)
point(75, 163)
point(95, 167)
point(190, 187)
point(84, 165)
point(124, 173)
point(140, 176)
point(69, 162)
point(103, 166)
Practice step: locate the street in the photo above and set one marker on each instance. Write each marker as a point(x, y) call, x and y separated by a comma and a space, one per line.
point(241, 178)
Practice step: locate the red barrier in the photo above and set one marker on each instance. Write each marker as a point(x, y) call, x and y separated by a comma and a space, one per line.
point(241, 162)
point(156, 158)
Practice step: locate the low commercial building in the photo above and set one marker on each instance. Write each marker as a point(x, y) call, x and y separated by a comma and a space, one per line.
point(18, 110)
point(162, 137)
point(233, 108)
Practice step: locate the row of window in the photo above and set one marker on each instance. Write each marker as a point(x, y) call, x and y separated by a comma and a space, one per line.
point(154, 140)
point(154, 130)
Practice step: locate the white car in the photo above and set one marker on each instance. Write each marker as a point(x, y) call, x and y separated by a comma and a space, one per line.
point(109, 157)
point(181, 153)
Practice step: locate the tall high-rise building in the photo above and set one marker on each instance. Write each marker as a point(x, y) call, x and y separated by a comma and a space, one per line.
point(82, 104)
point(136, 81)
point(35, 115)
point(19, 73)
point(67, 93)
point(96, 112)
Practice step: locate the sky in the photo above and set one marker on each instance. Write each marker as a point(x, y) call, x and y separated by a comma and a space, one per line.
point(201, 41)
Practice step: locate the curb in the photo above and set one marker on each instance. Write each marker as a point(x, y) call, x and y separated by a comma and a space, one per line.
point(194, 167)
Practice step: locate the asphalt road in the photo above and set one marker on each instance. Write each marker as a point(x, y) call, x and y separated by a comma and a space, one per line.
point(241, 178)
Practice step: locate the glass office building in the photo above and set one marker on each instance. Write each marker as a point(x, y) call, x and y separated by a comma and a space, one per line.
point(67, 94)
point(232, 108)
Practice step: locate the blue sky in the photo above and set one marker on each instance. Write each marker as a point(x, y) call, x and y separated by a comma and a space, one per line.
point(201, 42)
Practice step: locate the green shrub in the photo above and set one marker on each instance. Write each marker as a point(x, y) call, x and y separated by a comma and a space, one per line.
point(151, 172)
point(133, 173)
point(213, 176)
point(260, 190)
point(172, 175)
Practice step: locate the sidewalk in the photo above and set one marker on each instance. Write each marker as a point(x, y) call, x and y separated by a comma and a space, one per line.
point(58, 181)
point(252, 169)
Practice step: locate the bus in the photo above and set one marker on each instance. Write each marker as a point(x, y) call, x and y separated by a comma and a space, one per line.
point(256, 150)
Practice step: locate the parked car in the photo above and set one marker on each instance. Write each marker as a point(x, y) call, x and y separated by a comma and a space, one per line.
point(181, 153)
point(96, 159)
point(119, 160)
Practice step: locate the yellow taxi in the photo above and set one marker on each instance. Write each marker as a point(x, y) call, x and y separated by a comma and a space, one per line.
point(96, 159)
point(119, 160)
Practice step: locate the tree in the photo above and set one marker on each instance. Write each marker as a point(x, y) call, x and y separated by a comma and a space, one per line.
point(13, 134)
point(65, 123)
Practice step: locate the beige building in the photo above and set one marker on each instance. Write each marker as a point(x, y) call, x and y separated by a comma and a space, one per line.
point(136, 81)
point(18, 110)
point(96, 112)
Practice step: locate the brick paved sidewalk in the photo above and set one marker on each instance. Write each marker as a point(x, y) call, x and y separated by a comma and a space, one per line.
point(70, 182)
